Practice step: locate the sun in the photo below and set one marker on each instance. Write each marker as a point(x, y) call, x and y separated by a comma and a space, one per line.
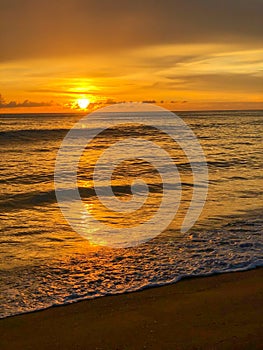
point(83, 103)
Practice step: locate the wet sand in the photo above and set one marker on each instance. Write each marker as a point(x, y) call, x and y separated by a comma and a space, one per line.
point(217, 312)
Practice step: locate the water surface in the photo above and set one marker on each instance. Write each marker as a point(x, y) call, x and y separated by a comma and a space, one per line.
point(44, 262)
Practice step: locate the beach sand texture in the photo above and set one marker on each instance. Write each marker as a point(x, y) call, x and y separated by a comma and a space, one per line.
point(217, 312)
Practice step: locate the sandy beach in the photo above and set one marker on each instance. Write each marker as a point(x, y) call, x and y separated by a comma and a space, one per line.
point(217, 312)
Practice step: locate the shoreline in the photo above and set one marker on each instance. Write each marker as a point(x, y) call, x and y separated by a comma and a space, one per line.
point(210, 312)
point(142, 289)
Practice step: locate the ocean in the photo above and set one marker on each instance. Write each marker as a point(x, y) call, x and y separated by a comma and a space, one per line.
point(44, 262)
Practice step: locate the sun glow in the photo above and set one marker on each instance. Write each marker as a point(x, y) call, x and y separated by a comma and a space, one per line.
point(83, 103)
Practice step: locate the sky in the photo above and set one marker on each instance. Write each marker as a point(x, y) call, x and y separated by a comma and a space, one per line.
point(182, 54)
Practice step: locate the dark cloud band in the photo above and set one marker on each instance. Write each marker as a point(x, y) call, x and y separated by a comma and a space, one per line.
point(32, 28)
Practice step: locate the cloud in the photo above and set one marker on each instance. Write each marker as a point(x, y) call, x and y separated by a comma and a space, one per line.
point(41, 29)
point(149, 101)
point(233, 82)
point(65, 92)
point(26, 103)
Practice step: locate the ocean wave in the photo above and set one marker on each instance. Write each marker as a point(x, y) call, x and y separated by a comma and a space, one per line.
point(45, 263)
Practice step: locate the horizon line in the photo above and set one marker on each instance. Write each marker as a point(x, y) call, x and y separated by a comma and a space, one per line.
point(173, 111)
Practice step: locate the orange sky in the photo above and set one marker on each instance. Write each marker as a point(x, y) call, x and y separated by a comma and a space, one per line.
point(184, 55)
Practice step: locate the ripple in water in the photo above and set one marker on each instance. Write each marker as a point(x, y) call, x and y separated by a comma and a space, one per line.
point(45, 263)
